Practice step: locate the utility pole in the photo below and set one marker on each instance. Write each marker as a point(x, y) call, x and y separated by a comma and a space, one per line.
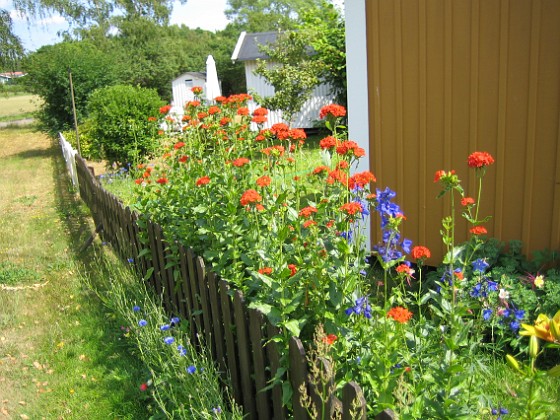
point(74, 111)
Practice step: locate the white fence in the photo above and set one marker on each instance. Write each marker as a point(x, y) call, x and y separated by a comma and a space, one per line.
point(70, 158)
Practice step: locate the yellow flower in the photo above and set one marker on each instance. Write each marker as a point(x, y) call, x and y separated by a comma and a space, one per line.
point(545, 328)
point(539, 281)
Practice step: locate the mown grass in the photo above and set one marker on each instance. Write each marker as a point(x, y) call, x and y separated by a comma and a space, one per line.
point(62, 353)
point(17, 107)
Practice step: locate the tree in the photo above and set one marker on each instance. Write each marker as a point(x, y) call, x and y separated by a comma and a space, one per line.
point(266, 15)
point(292, 71)
point(325, 30)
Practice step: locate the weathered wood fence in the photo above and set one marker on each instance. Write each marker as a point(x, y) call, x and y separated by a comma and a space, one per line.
point(237, 336)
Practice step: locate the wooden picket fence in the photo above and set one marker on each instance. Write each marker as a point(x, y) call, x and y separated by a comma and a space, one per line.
point(238, 337)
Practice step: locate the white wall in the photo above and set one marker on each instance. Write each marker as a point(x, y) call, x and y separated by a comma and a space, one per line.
point(182, 90)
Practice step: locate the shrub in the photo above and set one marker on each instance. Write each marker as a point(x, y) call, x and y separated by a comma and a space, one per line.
point(120, 128)
point(87, 146)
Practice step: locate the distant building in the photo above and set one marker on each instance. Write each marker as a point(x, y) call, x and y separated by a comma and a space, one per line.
point(9, 77)
point(247, 50)
point(182, 85)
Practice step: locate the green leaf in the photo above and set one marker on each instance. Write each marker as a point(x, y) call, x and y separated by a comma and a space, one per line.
point(293, 326)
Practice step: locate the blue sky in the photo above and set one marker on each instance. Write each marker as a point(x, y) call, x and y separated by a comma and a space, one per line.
point(34, 33)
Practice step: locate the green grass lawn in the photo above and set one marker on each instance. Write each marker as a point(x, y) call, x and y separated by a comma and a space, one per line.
point(17, 107)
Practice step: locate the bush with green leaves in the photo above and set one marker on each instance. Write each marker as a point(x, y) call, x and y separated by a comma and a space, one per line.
point(120, 128)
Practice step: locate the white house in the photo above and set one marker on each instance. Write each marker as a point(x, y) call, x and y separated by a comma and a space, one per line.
point(182, 86)
point(247, 50)
point(7, 78)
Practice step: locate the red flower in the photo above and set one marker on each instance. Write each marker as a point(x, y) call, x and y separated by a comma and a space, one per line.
point(265, 270)
point(404, 269)
point(420, 252)
point(308, 223)
point(193, 104)
point(162, 181)
point(259, 119)
point(259, 207)
point(320, 169)
point(243, 111)
point(202, 181)
point(225, 120)
point(480, 159)
point(152, 119)
point(144, 387)
point(332, 109)
point(330, 339)
point(196, 90)
point(263, 181)
point(164, 109)
point(337, 175)
point(361, 179)
point(350, 147)
point(293, 269)
point(479, 230)
point(467, 201)
point(439, 174)
point(250, 196)
point(183, 158)
point(329, 143)
point(459, 275)
point(178, 145)
point(139, 181)
point(351, 208)
point(399, 314)
point(307, 211)
point(260, 112)
point(239, 162)
point(214, 110)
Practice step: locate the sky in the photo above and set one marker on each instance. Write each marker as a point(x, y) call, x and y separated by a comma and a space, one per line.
point(204, 14)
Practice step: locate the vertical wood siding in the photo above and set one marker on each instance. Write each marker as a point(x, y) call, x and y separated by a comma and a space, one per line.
point(447, 78)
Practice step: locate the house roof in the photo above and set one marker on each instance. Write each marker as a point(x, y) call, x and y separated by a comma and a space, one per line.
point(12, 74)
point(247, 47)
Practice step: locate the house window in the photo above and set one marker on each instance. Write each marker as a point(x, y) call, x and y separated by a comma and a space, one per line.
point(189, 83)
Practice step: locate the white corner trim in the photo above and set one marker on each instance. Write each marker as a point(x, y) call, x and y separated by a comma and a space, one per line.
point(235, 53)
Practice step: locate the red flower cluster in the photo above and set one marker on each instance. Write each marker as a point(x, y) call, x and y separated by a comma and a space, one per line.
point(196, 90)
point(332, 109)
point(350, 147)
point(329, 142)
point(351, 208)
point(399, 314)
point(442, 174)
point(420, 252)
point(202, 181)
point(330, 339)
point(260, 112)
point(265, 270)
point(307, 212)
point(361, 179)
point(480, 159)
point(293, 269)
point(250, 196)
point(308, 223)
point(178, 145)
point(404, 269)
point(214, 110)
point(164, 109)
point(467, 201)
point(320, 169)
point(337, 175)
point(479, 230)
point(264, 181)
point(274, 150)
point(243, 111)
point(163, 180)
point(239, 162)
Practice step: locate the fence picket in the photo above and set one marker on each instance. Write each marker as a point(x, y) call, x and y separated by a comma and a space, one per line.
point(217, 319)
point(231, 351)
point(298, 376)
point(195, 295)
point(353, 402)
point(273, 354)
point(187, 308)
point(205, 305)
point(244, 351)
point(256, 324)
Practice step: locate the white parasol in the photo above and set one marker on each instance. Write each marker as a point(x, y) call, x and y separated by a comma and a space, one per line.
point(212, 83)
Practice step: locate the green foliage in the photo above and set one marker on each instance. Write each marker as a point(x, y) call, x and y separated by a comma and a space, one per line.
point(291, 69)
point(88, 146)
point(49, 78)
point(120, 125)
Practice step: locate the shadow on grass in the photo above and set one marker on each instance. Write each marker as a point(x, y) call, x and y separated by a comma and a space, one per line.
point(112, 354)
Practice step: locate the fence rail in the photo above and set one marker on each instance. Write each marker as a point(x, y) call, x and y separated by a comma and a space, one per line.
point(238, 337)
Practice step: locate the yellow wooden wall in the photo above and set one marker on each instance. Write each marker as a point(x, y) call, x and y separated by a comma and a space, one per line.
point(450, 77)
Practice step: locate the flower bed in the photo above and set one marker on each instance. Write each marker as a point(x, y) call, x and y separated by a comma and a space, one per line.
point(291, 239)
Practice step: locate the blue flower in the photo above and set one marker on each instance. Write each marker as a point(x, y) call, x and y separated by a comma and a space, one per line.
point(514, 325)
point(519, 314)
point(191, 369)
point(480, 265)
point(504, 410)
point(476, 291)
point(361, 306)
point(217, 410)
point(165, 327)
point(492, 286)
point(346, 235)
point(363, 273)
point(136, 308)
point(169, 340)
point(142, 323)
point(130, 260)
point(175, 320)
point(406, 244)
point(486, 314)
point(182, 350)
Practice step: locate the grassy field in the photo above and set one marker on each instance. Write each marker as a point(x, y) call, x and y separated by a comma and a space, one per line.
point(17, 107)
point(62, 352)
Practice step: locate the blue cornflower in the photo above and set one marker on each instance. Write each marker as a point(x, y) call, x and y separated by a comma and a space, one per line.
point(142, 323)
point(175, 320)
point(363, 273)
point(136, 308)
point(165, 327)
point(130, 260)
point(486, 314)
point(346, 235)
point(169, 340)
point(191, 369)
point(519, 314)
point(182, 350)
point(217, 410)
point(405, 245)
point(476, 291)
point(506, 313)
point(480, 265)
point(492, 286)
point(514, 325)
point(504, 410)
